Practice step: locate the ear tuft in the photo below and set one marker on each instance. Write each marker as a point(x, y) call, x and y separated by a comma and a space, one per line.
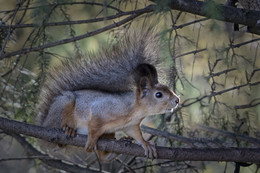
point(145, 86)
point(147, 70)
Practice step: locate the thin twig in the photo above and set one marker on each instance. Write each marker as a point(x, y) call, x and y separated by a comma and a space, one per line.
point(63, 3)
point(230, 134)
point(95, 32)
point(218, 93)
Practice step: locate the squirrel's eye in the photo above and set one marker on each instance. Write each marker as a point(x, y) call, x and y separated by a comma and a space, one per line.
point(158, 95)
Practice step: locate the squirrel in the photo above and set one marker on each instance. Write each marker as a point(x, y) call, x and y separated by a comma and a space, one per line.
point(110, 91)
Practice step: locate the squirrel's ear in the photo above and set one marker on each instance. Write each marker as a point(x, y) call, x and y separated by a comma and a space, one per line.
point(147, 70)
point(153, 74)
point(145, 86)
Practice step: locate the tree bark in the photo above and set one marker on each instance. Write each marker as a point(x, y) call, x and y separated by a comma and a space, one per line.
point(225, 13)
point(178, 154)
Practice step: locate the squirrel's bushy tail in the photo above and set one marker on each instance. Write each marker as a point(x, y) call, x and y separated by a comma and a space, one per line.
point(110, 70)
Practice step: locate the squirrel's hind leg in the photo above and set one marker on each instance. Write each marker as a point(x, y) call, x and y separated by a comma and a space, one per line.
point(68, 122)
point(105, 156)
point(95, 130)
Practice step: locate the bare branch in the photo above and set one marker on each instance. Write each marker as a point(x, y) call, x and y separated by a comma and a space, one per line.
point(226, 13)
point(224, 49)
point(191, 52)
point(63, 3)
point(222, 72)
point(190, 142)
point(189, 23)
point(9, 29)
point(243, 43)
point(72, 22)
point(68, 40)
point(184, 104)
point(253, 103)
point(229, 134)
point(23, 158)
point(55, 163)
point(177, 154)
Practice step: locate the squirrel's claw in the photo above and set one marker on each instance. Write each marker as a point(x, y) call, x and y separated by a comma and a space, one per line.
point(126, 138)
point(89, 147)
point(150, 150)
point(69, 132)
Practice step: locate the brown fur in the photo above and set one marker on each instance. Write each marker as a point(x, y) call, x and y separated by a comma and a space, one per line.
point(69, 125)
point(68, 122)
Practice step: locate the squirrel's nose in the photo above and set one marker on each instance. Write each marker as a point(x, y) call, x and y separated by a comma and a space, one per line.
point(177, 100)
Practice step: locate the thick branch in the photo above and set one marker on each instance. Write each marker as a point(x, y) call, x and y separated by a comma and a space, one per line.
point(226, 13)
point(123, 147)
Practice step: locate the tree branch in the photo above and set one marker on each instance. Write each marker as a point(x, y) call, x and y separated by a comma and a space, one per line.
point(55, 163)
point(188, 102)
point(225, 13)
point(68, 40)
point(63, 3)
point(231, 135)
point(123, 147)
point(94, 20)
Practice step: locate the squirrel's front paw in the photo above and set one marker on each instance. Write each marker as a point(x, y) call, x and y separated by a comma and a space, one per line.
point(126, 138)
point(150, 150)
point(69, 132)
point(90, 146)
